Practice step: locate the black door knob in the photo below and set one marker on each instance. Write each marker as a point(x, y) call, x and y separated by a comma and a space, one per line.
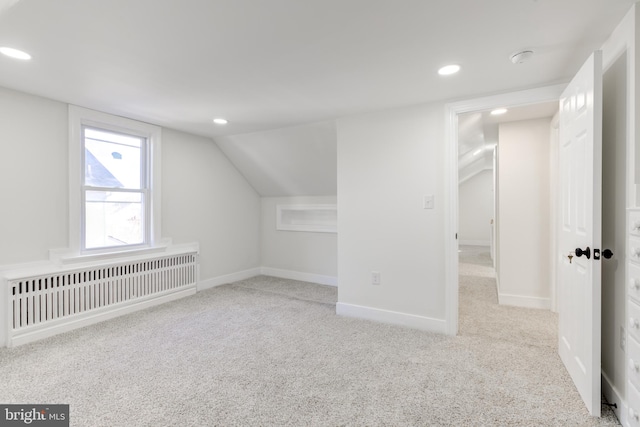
point(586, 252)
point(607, 253)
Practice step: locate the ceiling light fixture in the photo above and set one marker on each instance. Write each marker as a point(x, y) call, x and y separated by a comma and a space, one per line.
point(220, 121)
point(521, 57)
point(498, 111)
point(15, 53)
point(447, 70)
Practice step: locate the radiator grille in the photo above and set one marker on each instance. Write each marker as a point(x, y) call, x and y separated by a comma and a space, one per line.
point(52, 297)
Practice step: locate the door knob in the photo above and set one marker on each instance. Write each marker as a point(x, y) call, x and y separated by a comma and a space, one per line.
point(607, 253)
point(586, 252)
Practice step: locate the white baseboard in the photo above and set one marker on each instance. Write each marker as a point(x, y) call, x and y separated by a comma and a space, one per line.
point(524, 301)
point(228, 278)
point(391, 317)
point(267, 271)
point(297, 275)
point(613, 396)
point(475, 242)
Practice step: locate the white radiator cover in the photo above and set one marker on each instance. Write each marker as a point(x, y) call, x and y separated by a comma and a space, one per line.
point(45, 304)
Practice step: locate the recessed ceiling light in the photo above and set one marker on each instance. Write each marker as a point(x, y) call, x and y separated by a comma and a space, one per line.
point(220, 121)
point(449, 69)
point(14, 53)
point(498, 111)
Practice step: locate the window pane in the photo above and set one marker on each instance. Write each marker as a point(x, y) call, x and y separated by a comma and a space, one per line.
point(112, 159)
point(113, 219)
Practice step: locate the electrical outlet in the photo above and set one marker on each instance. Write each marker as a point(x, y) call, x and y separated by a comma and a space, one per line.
point(428, 201)
point(375, 277)
point(623, 338)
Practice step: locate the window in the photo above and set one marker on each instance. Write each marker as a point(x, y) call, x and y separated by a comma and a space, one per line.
point(115, 189)
point(114, 183)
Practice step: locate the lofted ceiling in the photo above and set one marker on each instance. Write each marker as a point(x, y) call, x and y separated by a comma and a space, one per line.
point(280, 63)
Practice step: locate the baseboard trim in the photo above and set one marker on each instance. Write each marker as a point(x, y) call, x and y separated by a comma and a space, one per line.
point(228, 278)
point(391, 317)
point(267, 271)
point(298, 275)
point(524, 301)
point(613, 396)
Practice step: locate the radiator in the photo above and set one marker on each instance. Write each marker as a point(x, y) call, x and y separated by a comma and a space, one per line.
point(45, 304)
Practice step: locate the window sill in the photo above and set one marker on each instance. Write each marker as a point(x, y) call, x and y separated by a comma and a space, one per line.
point(68, 257)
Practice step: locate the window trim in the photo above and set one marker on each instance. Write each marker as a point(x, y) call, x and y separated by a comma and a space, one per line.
point(80, 117)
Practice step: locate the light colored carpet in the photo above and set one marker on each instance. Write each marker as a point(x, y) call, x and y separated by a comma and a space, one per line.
point(271, 352)
point(480, 314)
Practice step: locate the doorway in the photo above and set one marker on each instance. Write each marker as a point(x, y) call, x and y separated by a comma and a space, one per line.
point(504, 198)
point(454, 111)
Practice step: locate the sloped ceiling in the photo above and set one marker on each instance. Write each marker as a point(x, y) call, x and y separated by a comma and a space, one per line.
point(295, 161)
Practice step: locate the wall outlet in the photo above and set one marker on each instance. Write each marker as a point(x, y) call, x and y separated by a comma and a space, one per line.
point(375, 277)
point(428, 201)
point(623, 338)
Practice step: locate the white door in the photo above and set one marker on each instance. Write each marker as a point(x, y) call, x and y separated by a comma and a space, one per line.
point(580, 177)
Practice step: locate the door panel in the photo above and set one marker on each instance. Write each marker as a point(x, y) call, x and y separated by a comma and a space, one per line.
point(580, 178)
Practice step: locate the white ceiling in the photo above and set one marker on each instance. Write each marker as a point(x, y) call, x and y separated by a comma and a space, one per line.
point(279, 63)
point(294, 161)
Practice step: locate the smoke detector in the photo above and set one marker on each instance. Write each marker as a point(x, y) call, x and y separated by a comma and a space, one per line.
point(522, 56)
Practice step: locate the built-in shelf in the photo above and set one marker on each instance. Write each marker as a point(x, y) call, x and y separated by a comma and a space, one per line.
point(315, 218)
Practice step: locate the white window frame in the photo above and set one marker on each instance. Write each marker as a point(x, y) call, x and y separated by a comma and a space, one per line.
point(80, 117)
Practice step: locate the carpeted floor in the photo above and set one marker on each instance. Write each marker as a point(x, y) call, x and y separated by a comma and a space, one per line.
point(272, 352)
point(480, 314)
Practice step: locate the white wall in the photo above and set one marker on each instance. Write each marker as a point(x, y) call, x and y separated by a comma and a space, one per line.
point(387, 162)
point(475, 210)
point(524, 223)
point(204, 198)
point(33, 177)
point(313, 256)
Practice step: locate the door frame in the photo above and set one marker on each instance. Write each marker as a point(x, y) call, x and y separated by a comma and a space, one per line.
point(452, 110)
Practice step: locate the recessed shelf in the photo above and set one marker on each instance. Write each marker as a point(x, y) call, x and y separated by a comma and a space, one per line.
point(314, 218)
